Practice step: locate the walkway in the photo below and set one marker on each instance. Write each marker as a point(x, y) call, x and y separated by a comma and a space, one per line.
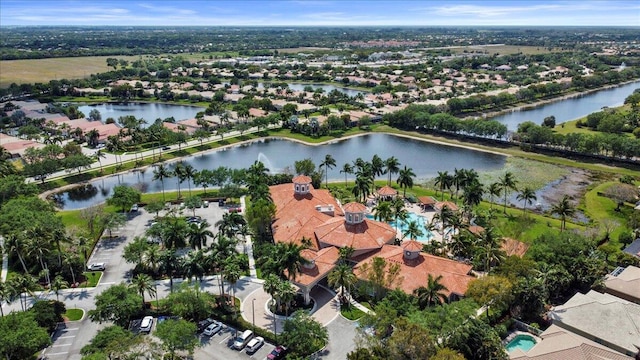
point(248, 244)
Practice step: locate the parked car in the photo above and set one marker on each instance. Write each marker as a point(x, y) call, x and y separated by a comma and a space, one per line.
point(146, 324)
point(242, 340)
point(166, 148)
point(277, 353)
point(202, 324)
point(254, 344)
point(205, 204)
point(213, 328)
point(96, 266)
point(134, 208)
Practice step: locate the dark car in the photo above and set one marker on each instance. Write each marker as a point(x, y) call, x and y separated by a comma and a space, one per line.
point(277, 353)
point(166, 148)
point(202, 324)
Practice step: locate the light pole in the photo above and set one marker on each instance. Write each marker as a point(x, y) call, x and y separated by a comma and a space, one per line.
point(253, 312)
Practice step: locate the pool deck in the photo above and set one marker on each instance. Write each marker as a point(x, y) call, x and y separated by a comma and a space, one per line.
point(513, 335)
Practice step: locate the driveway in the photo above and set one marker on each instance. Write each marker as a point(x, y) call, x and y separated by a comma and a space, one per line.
point(342, 333)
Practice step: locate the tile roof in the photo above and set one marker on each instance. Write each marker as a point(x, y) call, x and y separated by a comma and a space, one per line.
point(426, 200)
point(354, 207)
point(367, 235)
point(387, 191)
point(441, 204)
point(514, 247)
point(324, 260)
point(412, 245)
point(296, 216)
point(415, 272)
point(626, 284)
point(633, 248)
point(612, 321)
point(560, 344)
point(301, 179)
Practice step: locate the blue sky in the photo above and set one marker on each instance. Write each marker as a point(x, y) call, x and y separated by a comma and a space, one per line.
point(320, 12)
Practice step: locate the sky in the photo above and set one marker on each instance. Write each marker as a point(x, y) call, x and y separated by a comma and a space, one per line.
point(321, 12)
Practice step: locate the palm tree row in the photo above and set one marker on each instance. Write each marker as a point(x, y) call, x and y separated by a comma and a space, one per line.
point(366, 173)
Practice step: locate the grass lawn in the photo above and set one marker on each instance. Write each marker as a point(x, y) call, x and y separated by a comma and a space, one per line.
point(43, 70)
point(601, 207)
point(351, 312)
point(92, 279)
point(73, 314)
point(505, 49)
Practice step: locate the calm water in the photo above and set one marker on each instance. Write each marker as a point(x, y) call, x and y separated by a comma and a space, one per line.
point(404, 225)
point(327, 88)
point(570, 109)
point(426, 159)
point(148, 111)
point(522, 342)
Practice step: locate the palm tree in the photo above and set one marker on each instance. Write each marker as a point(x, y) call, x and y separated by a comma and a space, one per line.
point(24, 285)
point(472, 195)
point(443, 180)
point(143, 283)
point(346, 169)
point(291, 259)
point(432, 293)
point(563, 208)
point(151, 258)
point(383, 212)
point(527, 195)
point(189, 172)
point(99, 155)
point(161, 173)
point(328, 163)
point(342, 276)
point(58, 284)
point(198, 234)
point(392, 166)
point(494, 190)
point(232, 274)
point(179, 172)
point(398, 210)
point(168, 265)
point(459, 178)
point(413, 230)
point(15, 243)
point(490, 249)
point(507, 182)
point(193, 265)
point(405, 179)
point(362, 187)
point(7, 294)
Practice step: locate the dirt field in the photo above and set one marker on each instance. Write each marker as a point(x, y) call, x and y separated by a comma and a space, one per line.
point(44, 70)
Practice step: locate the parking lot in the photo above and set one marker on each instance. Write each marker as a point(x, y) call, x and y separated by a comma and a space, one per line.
point(62, 340)
point(218, 347)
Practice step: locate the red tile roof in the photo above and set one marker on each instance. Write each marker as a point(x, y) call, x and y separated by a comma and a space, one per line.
point(415, 272)
point(412, 245)
point(426, 200)
point(476, 230)
point(441, 204)
point(387, 191)
point(296, 216)
point(324, 261)
point(514, 247)
point(302, 179)
point(354, 207)
point(366, 235)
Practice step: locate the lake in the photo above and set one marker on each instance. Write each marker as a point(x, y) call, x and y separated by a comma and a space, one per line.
point(570, 109)
point(147, 111)
point(425, 158)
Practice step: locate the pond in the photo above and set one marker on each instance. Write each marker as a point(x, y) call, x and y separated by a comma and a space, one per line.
point(327, 88)
point(570, 109)
point(147, 111)
point(279, 155)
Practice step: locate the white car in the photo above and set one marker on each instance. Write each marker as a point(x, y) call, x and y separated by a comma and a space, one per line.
point(213, 328)
point(134, 208)
point(254, 344)
point(146, 324)
point(96, 266)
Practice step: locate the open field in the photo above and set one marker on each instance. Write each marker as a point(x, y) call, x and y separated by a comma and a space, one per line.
point(301, 49)
point(504, 49)
point(44, 70)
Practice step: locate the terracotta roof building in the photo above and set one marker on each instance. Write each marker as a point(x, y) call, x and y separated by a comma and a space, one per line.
point(624, 284)
point(320, 263)
point(387, 192)
point(415, 267)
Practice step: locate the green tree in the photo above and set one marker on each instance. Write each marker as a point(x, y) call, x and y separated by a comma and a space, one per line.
point(110, 341)
point(410, 341)
point(113, 221)
point(48, 313)
point(303, 335)
point(346, 169)
point(527, 196)
point(21, 336)
point(405, 179)
point(564, 208)
point(143, 283)
point(124, 197)
point(443, 181)
point(381, 275)
point(494, 190)
point(392, 166)
point(342, 276)
point(177, 335)
point(58, 284)
point(160, 173)
point(432, 294)
point(119, 303)
point(507, 182)
point(491, 291)
point(189, 302)
point(476, 340)
point(328, 163)
point(198, 234)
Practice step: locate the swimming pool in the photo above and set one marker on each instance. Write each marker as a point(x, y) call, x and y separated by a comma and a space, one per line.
point(521, 341)
point(403, 225)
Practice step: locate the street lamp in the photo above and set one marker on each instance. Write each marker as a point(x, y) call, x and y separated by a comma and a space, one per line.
point(253, 312)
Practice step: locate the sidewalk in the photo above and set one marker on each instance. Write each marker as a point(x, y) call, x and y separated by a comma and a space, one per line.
point(249, 244)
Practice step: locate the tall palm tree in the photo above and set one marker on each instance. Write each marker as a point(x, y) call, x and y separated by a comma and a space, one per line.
point(564, 208)
point(58, 284)
point(7, 294)
point(189, 173)
point(160, 173)
point(328, 163)
point(362, 188)
point(151, 258)
point(178, 171)
point(193, 265)
point(346, 169)
point(489, 248)
point(25, 285)
point(405, 179)
point(232, 274)
point(443, 181)
point(528, 196)
point(198, 234)
point(16, 243)
point(472, 195)
point(392, 166)
point(383, 212)
point(143, 283)
point(432, 293)
point(342, 276)
point(412, 231)
point(459, 178)
point(98, 156)
point(291, 259)
point(168, 265)
point(494, 190)
point(399, 212)
point(507, 182)
point(377, 167)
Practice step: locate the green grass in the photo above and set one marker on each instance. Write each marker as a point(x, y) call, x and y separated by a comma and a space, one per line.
point(351, 312)
point(601, 207)
point(92, 279)
point(74, 314)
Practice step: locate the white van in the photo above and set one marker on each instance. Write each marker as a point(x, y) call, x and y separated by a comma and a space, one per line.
point(242, 340)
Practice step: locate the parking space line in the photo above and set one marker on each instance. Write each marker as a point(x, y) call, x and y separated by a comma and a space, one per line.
point(60, 353)
point(59, 345)
point(70, 329)
point(225, 339)
point(66, 337)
